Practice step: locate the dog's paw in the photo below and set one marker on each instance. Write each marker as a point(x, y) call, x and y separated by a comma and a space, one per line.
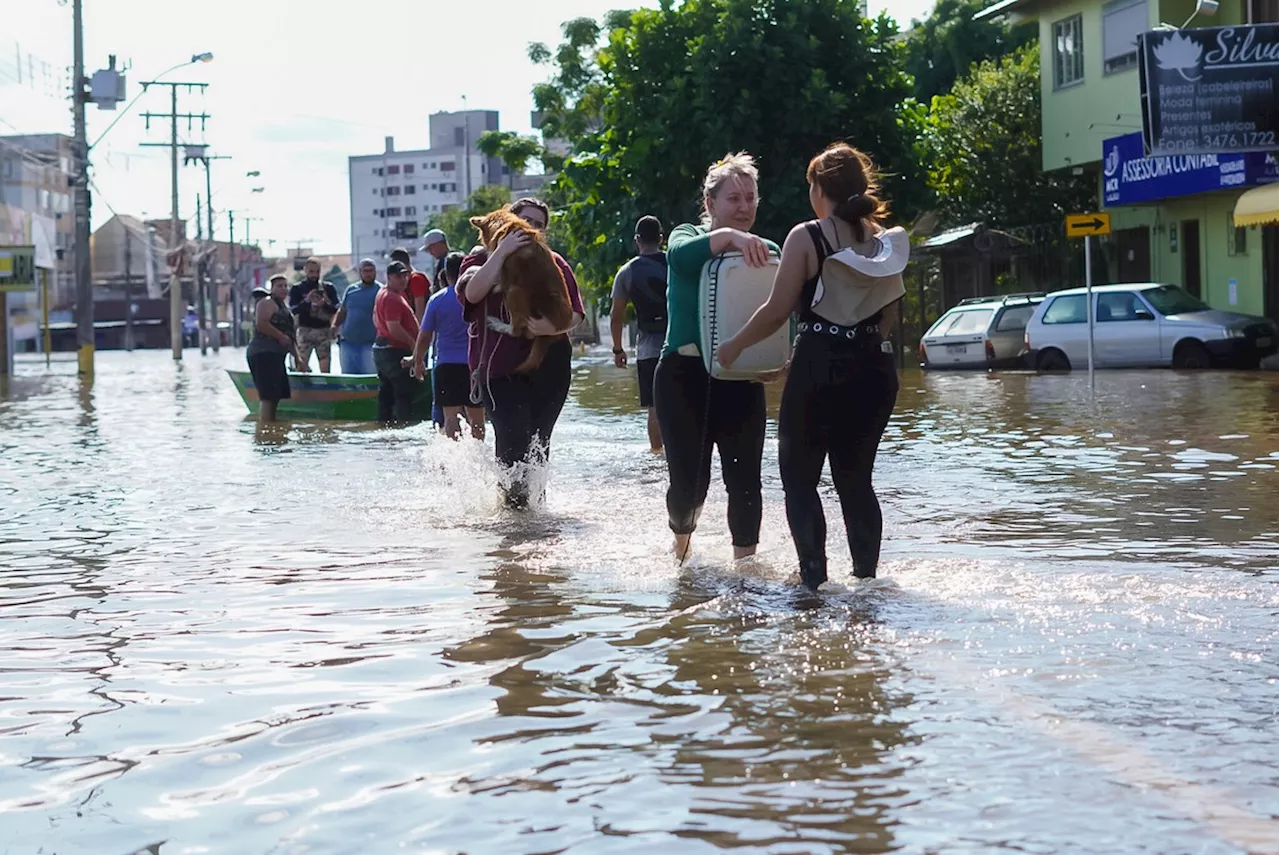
point(498, 325)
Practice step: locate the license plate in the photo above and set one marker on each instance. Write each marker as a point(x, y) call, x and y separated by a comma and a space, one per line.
point(1265, 341)
point(957, 349)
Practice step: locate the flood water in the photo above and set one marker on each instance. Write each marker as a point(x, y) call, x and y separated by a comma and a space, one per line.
point(330, 639)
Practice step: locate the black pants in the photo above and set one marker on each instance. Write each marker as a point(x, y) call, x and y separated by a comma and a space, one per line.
point(523, 409)
point(695, 413)
point(396, 388)
point(837, 402)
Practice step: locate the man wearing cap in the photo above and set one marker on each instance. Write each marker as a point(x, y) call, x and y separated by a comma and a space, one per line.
point(353, 324)
point(643, 282)
point(397, 332)
point(436, 245)
point(419, 284)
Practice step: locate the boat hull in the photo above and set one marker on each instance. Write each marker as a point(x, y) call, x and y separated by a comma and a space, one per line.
point(337, 397)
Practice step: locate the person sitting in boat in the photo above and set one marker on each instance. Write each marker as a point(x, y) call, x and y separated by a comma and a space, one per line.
point(273, 340)
point(695, 411)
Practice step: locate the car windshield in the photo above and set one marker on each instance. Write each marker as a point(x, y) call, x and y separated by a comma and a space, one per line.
point(1172, 300)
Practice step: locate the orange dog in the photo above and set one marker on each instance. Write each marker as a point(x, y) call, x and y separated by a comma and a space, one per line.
point(530, 281)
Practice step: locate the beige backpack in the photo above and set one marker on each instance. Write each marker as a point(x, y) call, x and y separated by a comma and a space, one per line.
point(852, 286)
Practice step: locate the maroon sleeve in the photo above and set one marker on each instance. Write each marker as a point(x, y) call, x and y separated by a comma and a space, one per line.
point(571, 281)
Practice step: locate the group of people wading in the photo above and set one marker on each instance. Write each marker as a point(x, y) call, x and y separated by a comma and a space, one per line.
point(840, 388)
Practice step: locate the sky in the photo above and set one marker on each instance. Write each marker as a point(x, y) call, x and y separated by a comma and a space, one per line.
point(294, 88)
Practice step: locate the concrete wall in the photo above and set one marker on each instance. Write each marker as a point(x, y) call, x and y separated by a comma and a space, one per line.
point(1218, 261)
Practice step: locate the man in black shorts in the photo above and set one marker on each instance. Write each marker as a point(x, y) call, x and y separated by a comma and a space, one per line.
point(642, 281)
point(443, 322)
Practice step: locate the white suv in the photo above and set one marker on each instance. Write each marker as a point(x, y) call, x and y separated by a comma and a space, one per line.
point(1142, 325)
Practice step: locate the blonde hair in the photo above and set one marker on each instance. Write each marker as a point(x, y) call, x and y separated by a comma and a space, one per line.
point(736, 165)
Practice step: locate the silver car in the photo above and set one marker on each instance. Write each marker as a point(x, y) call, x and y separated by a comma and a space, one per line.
point(1143, 325)
point(979, 333)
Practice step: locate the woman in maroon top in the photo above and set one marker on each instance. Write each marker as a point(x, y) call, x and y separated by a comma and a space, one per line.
point(522, 407)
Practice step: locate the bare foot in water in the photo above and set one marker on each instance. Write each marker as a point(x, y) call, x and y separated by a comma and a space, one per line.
point(683, 543)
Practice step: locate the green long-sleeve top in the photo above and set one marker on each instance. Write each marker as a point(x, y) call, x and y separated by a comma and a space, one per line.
point(688, 251)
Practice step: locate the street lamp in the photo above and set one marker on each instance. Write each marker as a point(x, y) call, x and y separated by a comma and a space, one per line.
point(197, 57)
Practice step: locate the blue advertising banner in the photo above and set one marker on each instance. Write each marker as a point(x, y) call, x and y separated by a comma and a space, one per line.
point(1130, 178)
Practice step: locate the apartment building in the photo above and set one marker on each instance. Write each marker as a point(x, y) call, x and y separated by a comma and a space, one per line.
point(35, 178)
point(1172, 215)
point(393, 193)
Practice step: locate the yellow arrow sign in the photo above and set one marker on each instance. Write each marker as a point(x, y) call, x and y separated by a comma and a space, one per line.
point(1084, 225)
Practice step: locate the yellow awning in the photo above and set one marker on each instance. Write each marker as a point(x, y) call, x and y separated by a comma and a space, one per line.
point(1258, 206)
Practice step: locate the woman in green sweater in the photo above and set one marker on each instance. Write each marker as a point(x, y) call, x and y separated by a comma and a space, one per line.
point(695, 411)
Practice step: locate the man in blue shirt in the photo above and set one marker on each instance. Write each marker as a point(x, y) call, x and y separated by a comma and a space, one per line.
point(451, 378)
point(354, 322)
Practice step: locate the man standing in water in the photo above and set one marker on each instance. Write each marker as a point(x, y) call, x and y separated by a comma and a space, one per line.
point(643, 282)
point(419, 285)
point(436, 245)
point(313, 304)
point(353, 324)
point(397, 332)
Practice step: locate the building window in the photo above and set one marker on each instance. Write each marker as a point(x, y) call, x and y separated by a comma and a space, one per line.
point(1237, 239)
point(1122, 22)
point(410, 189)
point(393, 170)
point(408, 169)
point(433, 164)
point(435, 186)
point(393, 191)
point(393, 212)
point(411, 211)
point(446, 166)
point(459, 137)
point(375, 191)
point(1068, 52)
point(377, 171)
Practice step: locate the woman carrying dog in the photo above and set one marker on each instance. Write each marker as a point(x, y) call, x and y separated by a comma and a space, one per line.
point(695, 411)
point(842, 384)
point(523, 407)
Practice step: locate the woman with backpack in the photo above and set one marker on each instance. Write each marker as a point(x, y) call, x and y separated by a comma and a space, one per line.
point(842, 274)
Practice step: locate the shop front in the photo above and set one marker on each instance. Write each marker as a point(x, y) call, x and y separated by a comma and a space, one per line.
point(1174, 219)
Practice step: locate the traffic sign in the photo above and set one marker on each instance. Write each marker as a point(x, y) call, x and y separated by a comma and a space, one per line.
point(1088, 225)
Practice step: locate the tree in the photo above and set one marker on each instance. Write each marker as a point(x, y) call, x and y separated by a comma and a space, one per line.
point(986, 150)
point(942, 48)
point(670, 90)
point(512, 149)
point(455, 223)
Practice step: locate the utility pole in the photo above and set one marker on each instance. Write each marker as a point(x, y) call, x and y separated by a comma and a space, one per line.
point(211, 285)
point(83, 270)
point(235, 279)
point(200, 282)
point(128, 288)
point(175, 278)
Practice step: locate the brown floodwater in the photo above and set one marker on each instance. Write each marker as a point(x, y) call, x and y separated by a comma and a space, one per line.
point(326, 638)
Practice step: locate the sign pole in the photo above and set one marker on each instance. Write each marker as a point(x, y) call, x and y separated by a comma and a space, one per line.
point(1088, 289)
point(5, 356)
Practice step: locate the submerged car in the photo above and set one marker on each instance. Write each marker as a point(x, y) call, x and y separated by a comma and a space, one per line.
point(979, 333)
point(1141, 325)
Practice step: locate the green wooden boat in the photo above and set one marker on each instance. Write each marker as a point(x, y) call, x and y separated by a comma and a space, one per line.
point(338, 397)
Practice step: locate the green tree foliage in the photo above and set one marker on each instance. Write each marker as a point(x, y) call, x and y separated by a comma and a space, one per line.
point(942, 48)
point(512, 149)
point(985, 144)
point(456, 223)
point(653, 97)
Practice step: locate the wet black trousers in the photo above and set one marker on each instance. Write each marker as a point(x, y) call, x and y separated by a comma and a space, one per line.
point(523, 409)
point(696, 413)
point(836, 404)
point(396, 387)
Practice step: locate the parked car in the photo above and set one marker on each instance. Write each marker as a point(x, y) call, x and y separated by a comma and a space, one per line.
point(1143, 325)
point(980, 332)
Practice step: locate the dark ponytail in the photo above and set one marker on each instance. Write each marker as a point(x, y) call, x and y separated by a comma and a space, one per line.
point(842, 172)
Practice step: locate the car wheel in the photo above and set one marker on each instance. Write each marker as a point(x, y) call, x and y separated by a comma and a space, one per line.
point(1053, 360)
point(1191, 356)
